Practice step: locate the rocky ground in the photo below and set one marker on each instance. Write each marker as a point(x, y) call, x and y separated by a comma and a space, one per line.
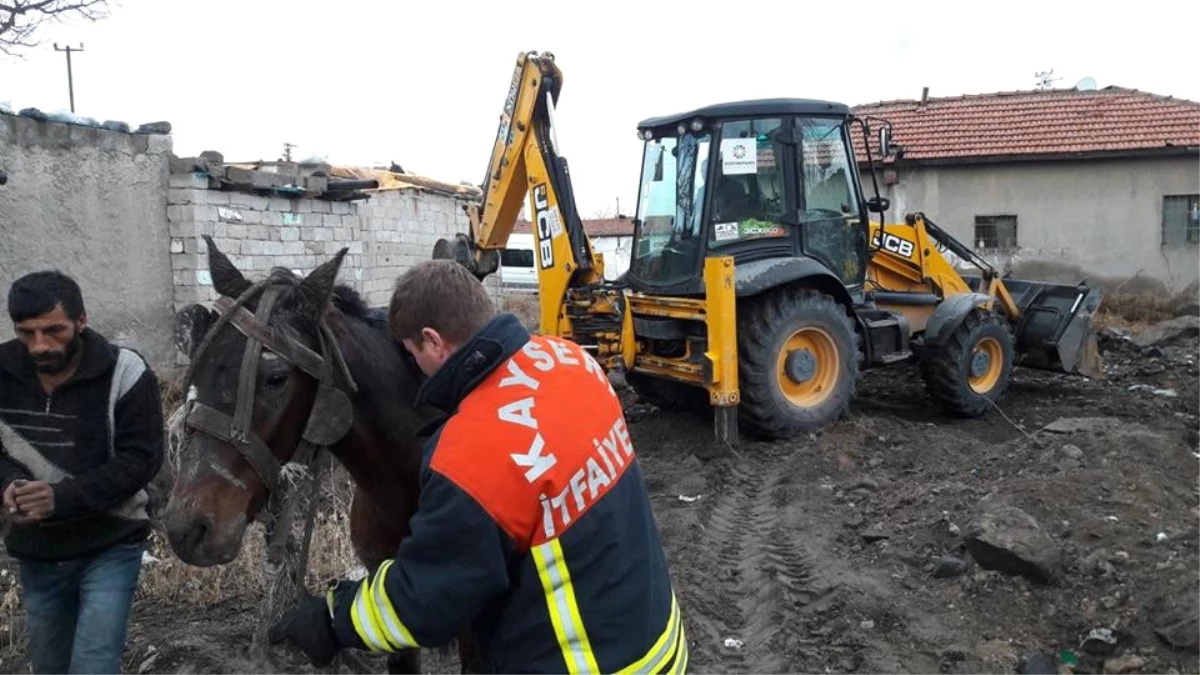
point(1056, 534)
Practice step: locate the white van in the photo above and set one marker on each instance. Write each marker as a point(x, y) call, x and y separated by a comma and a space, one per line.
point(518, 265)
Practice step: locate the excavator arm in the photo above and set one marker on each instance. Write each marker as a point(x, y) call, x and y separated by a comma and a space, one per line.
point(525, 162)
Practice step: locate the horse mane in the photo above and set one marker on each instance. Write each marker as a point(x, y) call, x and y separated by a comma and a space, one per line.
point(350, 302)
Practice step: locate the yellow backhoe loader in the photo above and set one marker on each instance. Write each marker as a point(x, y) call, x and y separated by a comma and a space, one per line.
point(758, 287)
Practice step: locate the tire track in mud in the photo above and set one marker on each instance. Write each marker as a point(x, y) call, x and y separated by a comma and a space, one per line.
point(761, 578)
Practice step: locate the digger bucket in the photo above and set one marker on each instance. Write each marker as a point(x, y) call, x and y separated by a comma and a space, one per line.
point(1055, 329)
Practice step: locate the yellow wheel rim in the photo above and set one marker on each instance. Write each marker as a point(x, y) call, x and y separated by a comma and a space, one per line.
point(807, 367)
point(987, 362)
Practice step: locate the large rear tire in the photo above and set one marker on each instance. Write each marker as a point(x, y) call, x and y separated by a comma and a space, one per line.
point(797, 363)
point(971, 371)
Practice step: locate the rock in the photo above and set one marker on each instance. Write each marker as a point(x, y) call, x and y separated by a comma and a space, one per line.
point(1068, 464)
point(1097, 564)
point(155, 128)
point(1182, 633)
point(1007, 539)
point(1070, 425)
point(1169, 331)
point(1072, 451)
point(875, 533)
point(1038, 664)
point(1128, 663)
point(950, 566)
point(866, 484)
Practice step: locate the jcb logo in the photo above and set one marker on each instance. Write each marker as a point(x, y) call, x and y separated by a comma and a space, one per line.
point(894, 244)
point(544, 216)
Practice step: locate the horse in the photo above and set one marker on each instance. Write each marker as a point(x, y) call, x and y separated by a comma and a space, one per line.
point(319, 372)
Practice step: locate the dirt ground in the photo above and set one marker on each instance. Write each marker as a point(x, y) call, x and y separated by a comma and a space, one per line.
point(822, 555)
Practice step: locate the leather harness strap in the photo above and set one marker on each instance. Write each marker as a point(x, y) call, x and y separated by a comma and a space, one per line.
point(243, 414)
point(219, 425)
point(260, 334)
point(293, 352)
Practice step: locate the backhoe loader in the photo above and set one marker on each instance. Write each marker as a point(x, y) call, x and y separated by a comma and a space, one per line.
point(759, 288)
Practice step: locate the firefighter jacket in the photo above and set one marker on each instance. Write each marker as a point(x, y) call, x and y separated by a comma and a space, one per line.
point(534, 529)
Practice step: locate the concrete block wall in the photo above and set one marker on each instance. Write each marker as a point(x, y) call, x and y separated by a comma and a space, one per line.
point(399, 229)
point(386, 235)
point(257, 233)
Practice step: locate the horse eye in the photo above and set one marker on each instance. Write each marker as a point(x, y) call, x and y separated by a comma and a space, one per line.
point(277, 379)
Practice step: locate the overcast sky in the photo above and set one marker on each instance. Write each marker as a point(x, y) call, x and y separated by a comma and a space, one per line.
point(422, 83)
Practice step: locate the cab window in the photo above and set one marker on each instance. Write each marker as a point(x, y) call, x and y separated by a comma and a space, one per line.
point(748, 186)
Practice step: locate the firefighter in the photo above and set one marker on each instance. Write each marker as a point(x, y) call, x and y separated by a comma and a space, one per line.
point(534, 530)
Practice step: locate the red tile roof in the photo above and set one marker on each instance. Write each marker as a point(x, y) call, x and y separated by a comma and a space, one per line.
point(602, 227)
point(1034, 123)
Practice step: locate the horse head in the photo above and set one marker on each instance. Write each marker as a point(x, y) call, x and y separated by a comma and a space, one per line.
point(266, 385)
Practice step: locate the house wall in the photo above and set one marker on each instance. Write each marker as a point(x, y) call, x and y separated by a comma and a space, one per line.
point(617, 252)
point(91, 203)
point(1102, 218)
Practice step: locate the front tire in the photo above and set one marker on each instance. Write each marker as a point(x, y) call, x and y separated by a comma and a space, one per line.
point(968, 373)
point(798, 363)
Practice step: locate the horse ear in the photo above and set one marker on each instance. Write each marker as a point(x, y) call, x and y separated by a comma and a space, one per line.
point(317, 287)
point(225, 277)
point(191, 324)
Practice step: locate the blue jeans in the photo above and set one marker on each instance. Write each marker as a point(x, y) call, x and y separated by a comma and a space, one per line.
point(77, 611)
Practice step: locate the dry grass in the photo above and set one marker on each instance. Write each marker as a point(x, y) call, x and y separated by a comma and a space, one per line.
point(1137, 309)
point(525, 306)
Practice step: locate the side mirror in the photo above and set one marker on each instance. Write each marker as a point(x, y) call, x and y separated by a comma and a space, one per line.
point(885, 142)
point(878, 204)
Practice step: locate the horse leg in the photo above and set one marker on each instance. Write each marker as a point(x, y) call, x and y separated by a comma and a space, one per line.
point(468, 654)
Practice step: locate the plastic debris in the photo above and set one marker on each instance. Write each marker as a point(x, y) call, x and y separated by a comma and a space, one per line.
point(688, 498)
point(734, 643)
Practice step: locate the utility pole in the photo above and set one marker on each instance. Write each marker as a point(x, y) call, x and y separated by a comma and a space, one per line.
point(70, 77)
point(287, 151)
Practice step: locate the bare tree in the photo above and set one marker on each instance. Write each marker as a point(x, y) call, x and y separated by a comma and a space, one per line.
point(604, 213)
point(20, 20)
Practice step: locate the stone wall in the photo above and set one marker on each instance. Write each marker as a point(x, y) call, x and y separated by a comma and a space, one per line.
point(126, 218)
point(387, 231)
point(399, 229)
point(257, 233)
point(92, 203)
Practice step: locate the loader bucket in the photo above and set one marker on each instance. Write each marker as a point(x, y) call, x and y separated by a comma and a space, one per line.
point(1055, 329)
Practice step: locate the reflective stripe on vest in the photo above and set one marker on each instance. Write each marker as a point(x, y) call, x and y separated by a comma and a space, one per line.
point(564, 611)
point(374, 618)
point(670, 649)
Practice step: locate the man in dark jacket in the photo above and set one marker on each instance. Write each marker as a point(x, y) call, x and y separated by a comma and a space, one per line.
point(81, 436)
point(534, 529)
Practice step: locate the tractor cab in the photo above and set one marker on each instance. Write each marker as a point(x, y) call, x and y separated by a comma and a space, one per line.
point(755, 180)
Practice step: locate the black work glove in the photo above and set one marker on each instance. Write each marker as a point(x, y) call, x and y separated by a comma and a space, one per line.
point(309, 628)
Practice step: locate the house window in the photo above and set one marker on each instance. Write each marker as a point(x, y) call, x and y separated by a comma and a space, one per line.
point(996, 232)
point(1180, 220)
